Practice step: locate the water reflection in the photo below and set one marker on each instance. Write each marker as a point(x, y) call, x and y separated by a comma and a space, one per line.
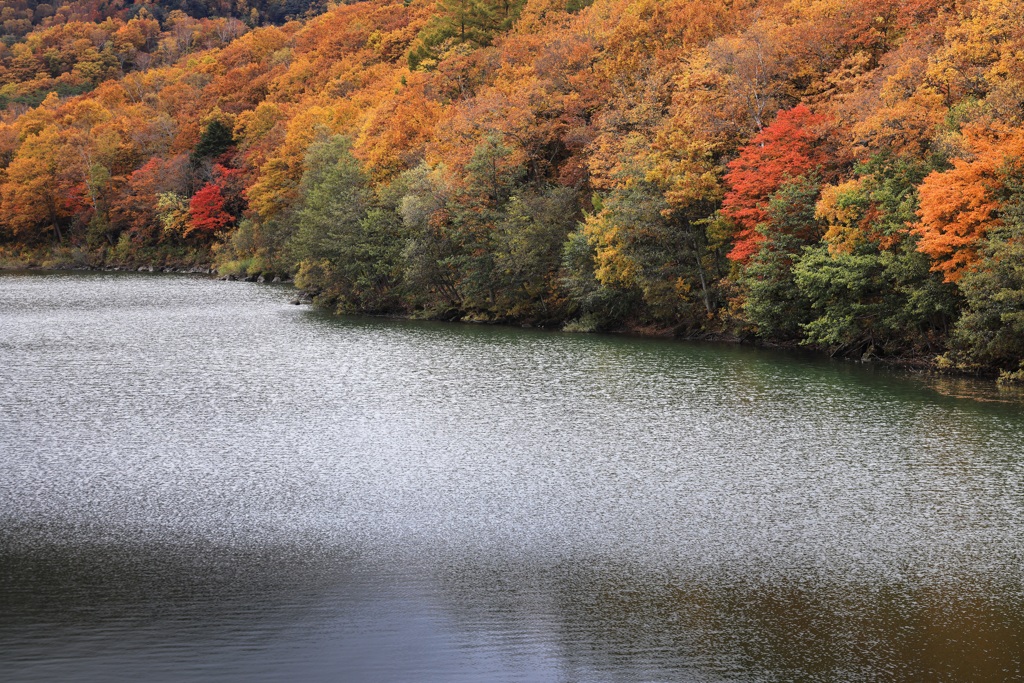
point(261, 614)
point(200, 481)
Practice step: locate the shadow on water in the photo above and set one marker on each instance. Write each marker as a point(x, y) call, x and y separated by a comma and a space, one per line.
point(95, 612)
point(769, 362)
point(730, 627)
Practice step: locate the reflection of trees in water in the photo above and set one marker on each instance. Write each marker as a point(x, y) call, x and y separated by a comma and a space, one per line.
point(613, 624)
point(977, 389)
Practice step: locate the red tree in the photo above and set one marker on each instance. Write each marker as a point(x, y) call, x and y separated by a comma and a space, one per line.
point(788, 148)
point(206, 212)
point(232, 183)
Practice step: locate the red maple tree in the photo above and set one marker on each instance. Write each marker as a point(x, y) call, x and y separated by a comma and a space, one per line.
point(786, 149)
point(206, 213)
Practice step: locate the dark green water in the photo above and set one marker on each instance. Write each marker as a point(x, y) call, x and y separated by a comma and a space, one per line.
point(199, 481)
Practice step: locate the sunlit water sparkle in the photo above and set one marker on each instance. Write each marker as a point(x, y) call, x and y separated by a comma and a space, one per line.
point(199, 481)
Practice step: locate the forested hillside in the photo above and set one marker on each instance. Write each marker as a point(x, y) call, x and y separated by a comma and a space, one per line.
point(843, 174)
point(71, 48)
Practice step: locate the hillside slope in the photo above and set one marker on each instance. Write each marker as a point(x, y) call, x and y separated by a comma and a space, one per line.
point(843, 174)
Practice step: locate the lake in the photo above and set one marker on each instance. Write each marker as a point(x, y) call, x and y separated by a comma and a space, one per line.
point(200, 481)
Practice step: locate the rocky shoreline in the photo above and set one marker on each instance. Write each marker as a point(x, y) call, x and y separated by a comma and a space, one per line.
point(196, 270)
point(186, 270)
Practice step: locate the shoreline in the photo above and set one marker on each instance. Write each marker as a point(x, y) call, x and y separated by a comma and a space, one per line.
point(922, 365)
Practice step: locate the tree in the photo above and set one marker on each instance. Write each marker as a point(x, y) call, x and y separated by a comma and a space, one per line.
point(134, 207)
point(869, 287)
point(472, 203)
point(172, 212)
point(990, 333)
point(206, 213)
point(431, 255)
point(774, 304)
point(216, 139)
point(791, 146)
point(664, 255)
point(462, 21)
point(36, 192)
point(344, 247)
point(528, 251)
point(960, 206)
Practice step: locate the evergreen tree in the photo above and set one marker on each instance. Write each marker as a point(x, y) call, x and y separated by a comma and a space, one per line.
point(473, 22)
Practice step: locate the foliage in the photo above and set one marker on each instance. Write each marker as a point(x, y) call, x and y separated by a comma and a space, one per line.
point(961, 205)
point(773, 303)
point(990, 334)
point(215, 141)
point(784, 150)
point(869, 286)
point(344, 248)
point(843, 175)
point(206, 212)
point(462, 22)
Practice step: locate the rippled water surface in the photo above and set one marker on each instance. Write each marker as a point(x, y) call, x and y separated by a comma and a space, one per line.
point(199, 481)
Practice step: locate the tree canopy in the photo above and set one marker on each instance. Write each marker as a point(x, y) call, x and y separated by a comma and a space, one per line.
point(843, 175)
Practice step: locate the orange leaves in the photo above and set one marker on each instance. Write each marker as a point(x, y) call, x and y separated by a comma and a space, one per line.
point(397, 130)
point(961, 205)
point(596, 95)
point(536, 95)
point(133, 207)
point(39, 190)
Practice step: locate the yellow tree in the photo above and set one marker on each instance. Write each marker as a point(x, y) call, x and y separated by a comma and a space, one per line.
point(34, 196)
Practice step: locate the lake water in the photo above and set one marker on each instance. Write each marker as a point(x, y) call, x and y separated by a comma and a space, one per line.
point(199, 481)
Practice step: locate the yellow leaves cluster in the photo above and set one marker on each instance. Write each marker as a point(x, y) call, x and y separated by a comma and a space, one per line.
point(612, 267)
point(841, 208)
point(684, 168)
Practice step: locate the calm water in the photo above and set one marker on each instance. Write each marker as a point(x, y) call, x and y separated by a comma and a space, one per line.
point(199, 481)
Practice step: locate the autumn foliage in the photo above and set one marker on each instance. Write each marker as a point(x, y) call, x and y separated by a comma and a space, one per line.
point(834, 173)
point(790, 147)
point(206, 212)
point(960, 206)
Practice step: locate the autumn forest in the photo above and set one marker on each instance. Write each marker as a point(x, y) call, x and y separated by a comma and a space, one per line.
point(846, 175)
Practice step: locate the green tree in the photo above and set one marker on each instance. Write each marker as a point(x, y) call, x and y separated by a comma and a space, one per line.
point(492, 177)
point(344, 247)
point(868, 285)
point(773, 303)
point(528, 251)
point(431, 257)
point(473, 22)
point(674, 263)
point(216, 139)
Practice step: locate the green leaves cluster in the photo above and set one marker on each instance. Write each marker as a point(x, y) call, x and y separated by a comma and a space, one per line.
point(879, 295)
point(462, 22)
point(347, 244)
